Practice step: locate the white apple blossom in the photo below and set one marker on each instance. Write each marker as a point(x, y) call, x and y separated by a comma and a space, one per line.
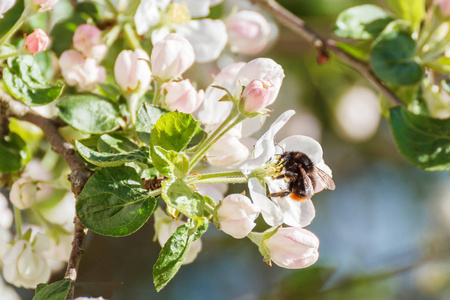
point(85, 73)
point(23, 263)
point(6, 216)
point(182, 96)
point(23, 193)
point(208, 37)
point(248, 32)
point(132, 71)
point(293, 248)
point(235, 215)
point(171, 57)
point(7, 292)
point(165, 226)
point(6, 5)
point(279, 210)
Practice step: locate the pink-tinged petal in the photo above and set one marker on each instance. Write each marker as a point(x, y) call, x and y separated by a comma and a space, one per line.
point(305, 144)
point(269, 210)
point(265, 148)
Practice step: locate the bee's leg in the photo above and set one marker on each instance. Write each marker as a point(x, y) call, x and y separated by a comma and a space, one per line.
point(279, 194)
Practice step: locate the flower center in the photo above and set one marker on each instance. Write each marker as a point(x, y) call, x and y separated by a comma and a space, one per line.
point(178, 13)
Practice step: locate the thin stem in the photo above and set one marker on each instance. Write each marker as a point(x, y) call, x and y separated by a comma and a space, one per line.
point(209, 208)
point(220, 174)
point(209, 142)
point(12, 54)
point(157, 93)
point(155, 192)
point(25, 14)
point(111, 7)
point(299, 27)
point(131, 37)
point(242, 179)
point(18, 222)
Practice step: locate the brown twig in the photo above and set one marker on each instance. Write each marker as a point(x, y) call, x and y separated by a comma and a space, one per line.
point(299, 27)
point(79, 176)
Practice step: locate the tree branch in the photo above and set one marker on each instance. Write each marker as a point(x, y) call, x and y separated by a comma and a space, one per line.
point(299, 27)
point(79, 176)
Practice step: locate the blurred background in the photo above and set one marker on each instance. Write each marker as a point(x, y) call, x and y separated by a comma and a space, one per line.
point(384, 231)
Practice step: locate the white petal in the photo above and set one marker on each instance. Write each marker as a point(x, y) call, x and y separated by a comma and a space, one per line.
point(265, 148)
point(160, 34)
point(269, 210)
point(147, 15)
point(197, 8)
point(208, 37)
point(304, 144)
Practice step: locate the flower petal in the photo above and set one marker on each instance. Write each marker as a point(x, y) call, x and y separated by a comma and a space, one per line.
point(269, 210)
point(304, 144)
point(264, 147)
point(208, 37)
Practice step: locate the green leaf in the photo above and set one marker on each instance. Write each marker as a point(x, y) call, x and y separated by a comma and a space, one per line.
point(174, 252)
point(409, 10)
point(54, 291)
point(13, 153)
point(104, 159)
point(364, 22)
point(182, 197)
point(113, 202)
point(174, 131)
point(394, 57)
point(25, 81)
point(89, 113)
point(170, 163)
point(196, 139)
point(147, 117)
point(110, 91)
point(115, 143)
point(423, 141)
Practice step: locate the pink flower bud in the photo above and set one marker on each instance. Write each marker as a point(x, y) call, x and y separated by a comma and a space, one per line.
point(88, 40)
point(248, 32)
point(182, 96)
point(171, 57)
point(236, 215)
point(45, 4)
point(293, 248)
point(6, 5)
point(132, 71)
point(37, 41)
point(257, 95)
point(444, 6)
point(23, 193)
point(85, 73)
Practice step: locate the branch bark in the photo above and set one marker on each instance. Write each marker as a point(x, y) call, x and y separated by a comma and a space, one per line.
point(78, 178)
point(299, 27)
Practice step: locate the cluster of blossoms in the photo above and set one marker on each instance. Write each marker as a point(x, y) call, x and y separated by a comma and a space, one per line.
point(231, 109)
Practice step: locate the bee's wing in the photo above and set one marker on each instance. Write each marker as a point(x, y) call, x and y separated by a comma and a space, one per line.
point(325, 179)
point(309, 188)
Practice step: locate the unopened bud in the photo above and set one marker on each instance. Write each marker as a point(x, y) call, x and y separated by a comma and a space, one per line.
point(23, 193)
point(37, 41)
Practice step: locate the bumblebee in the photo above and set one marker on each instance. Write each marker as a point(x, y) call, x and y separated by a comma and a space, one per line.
point(301, 175)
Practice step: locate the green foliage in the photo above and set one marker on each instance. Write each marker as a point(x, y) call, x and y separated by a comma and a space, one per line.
point(104, 159)
point(115, 143)
point(181, 196)
point(174, 252)
point(171, 163)
point(147, 117)
point(423, 141)
point(13, 153)
point(55, 291)
point(412, 11)
point(113, 202)
point(394, 57)
point(362, 22)
point(89, 113)
point(25, 81)
point(174, 131)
